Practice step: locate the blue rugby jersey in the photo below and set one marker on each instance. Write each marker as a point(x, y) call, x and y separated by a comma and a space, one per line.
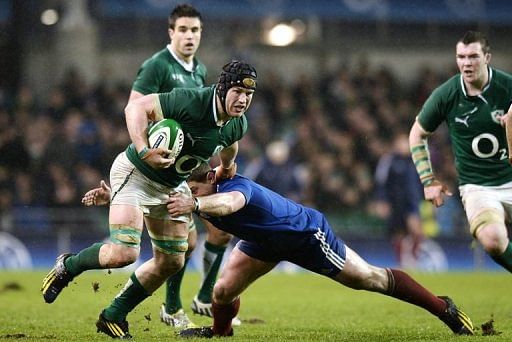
point(266, 214)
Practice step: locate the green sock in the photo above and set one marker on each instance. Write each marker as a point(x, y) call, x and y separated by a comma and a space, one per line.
point(130, 296)
point(211, 262)
point(172, 290)
point(86, 259)
point(505, 259)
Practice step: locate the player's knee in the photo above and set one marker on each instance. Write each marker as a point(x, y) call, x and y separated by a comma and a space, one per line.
point(192, 242)
point(369, 279)
point(167, 265)
point(121, 255)
point(222, 293)
point(493, 239)
point(125, 244)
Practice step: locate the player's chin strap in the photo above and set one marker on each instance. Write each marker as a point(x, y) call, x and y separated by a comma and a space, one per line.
point(421, 158)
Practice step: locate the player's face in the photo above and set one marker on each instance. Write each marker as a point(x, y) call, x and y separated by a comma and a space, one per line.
point(238, 100)
point(185, 37)
point(201, 189)
point(472, 62)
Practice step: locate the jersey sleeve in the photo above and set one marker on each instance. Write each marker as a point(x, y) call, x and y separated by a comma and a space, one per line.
point(234, 131)
point(148, 78)
point(237, 184)
point(168, 104)
point(432, 113)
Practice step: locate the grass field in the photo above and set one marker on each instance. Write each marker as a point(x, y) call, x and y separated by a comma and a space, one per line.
point(278, 307)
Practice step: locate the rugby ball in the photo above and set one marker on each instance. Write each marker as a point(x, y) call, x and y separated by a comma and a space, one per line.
point(166, 133)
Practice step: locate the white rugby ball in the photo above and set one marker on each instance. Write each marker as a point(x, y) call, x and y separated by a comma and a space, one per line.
point(166, 133)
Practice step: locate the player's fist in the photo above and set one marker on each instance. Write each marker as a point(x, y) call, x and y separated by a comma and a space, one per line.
point(435, 192)
point(158, 158)
point(222, 172)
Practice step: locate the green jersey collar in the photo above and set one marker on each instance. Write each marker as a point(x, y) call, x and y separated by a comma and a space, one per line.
point(463, 86)
point(187, 66)
point(218, 121)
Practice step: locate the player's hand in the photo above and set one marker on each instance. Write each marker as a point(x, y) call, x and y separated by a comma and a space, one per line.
point(97, 196)
point(435, 193)
point(225, 173)
point(157, 158)
point(180, 204)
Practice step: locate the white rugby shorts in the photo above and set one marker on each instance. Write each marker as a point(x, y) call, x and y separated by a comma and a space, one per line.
point(477, 198)
point(131, 187)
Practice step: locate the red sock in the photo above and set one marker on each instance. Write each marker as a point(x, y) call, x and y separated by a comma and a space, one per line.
point(222, 316)
point(403, 287)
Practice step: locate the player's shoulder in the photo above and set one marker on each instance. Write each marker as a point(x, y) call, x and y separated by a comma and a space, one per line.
point(449, 88)
point(199, 93)
point(200, 67)
point(237, 182)
point(158, 58)
point(501, 76)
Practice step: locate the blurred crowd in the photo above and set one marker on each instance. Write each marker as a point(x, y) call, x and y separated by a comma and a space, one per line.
point(317, 140)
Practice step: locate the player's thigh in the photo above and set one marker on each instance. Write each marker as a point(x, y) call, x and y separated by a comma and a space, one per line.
point(484, 206)
point(239, 272)
point(169, 241)
point(126, 215)
point(216, 236)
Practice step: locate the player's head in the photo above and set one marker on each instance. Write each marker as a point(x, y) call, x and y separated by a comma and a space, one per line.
point(202, 180)
point(476, 37)
point(473, 56)
point(235, 87)
point(185, 26)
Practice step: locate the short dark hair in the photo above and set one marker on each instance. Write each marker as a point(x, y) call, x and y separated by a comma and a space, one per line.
point(183, 10)
point(200, 174)
point(476, 37)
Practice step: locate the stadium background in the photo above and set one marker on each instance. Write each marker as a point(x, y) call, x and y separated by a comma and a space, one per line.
point(356, 75)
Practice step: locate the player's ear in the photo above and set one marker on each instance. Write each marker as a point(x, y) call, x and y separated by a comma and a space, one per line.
point(210, 177)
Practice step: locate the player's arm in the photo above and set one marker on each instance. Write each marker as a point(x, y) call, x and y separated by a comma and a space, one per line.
point(220, 204)
point(433, 189)
point(138, 113)
point(227, 168)
point(507, 119)
point(134, 95)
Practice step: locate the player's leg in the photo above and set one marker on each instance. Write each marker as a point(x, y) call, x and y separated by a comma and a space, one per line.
point(486, 215)
point(126, 224)
point(171, 312)
point(214, 248)
point(360, 275)
point(169, 241)
point(240, 271)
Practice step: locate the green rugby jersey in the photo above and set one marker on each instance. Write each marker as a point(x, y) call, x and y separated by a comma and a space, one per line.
point(162, 73)
point(196, 112)
point(478, 140)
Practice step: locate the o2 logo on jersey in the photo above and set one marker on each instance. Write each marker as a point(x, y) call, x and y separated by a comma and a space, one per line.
point(496, 115)
point(186, 164)
point(488, 140)
point(218, 149)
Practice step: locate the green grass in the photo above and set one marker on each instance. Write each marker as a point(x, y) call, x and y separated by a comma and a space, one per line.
point(303, 307)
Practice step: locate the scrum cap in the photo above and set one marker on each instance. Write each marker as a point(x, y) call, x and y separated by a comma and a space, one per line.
point(235, 74)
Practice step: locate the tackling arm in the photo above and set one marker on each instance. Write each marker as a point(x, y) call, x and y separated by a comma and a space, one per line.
point(220, 204)
point(227, 168)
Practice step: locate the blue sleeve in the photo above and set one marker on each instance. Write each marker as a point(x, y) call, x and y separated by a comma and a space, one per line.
point(242, 185)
